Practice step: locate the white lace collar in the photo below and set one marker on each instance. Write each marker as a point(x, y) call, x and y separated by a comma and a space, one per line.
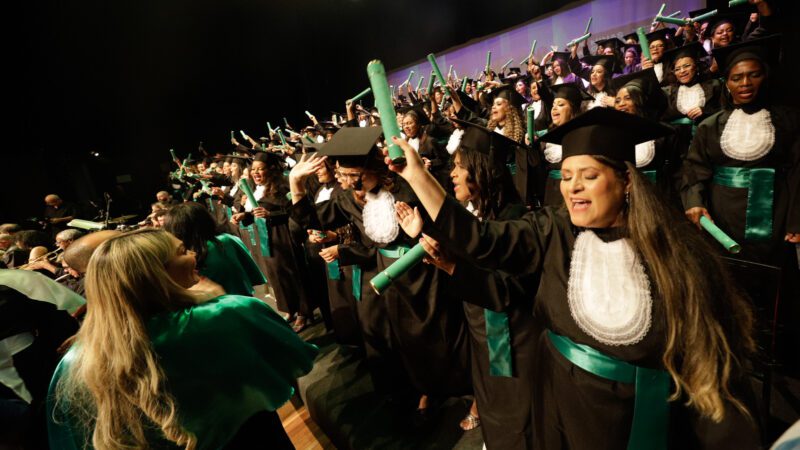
point(552, 153)
point(380, 220)
point(324, 194)
point(748, 137)
point(659, 70)
point(690, 97)
point(414, 142)
point(608, 290)
point(645, 152)
point(455, 140)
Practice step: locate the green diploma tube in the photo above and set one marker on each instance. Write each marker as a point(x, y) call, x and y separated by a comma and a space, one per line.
point(644, 44)
point(361, 95)
point(269, 127)
point(449, 71)
point(419, 82)
point(488, 61)
point(282, 138)
point(174, 156)
point(506, 65)
point(435, 66)
point(733, 3)
point(384, 279)
point(410, 75)
point(579, 40)
point(726, 241)
point(672, 20)
point(248, 192)
point(676, 13)
point(531, 129)
point(233, 136)
point(430, 83)
point(464, 84)
point(530, 55)
point(383, 101)
point(705, 16)
point(661, 10)
point(588, 24)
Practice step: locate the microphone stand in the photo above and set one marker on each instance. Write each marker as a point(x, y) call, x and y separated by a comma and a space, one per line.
point(108, 210)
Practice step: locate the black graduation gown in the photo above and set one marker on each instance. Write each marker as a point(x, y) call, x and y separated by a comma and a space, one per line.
point(428, 336)
point(727, 205)
point(666, 163)
point(551, 185)
point(285, 268)
point(574, 409)
point(504, 403)
point(712, 91)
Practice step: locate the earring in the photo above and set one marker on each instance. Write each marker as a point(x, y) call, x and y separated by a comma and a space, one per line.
point(627, 197)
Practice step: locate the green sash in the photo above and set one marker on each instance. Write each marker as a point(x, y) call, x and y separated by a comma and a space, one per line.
point(554, 174)
point(210, 203)
point(394, 251)
point(228, 212)
point(685, 121)
point(650, 411)
point(512, 167)
point(250, 233)
point(333, 270)
point(650, 174)
point(498, 340)
point(263, 236)
point(357, 282)
point(760, 185)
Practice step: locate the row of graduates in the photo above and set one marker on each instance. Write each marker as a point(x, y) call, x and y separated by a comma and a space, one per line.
point(417, 333)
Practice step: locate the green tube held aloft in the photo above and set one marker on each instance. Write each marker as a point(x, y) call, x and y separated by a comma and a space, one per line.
point(172, 153)
point(705, 16)
point(449, 71)
point(488, 60)
point(430, 83)
point(269, 127)
point(588, 24)
point(362, 94)
point(733, 3)
point(384, 279)
point(579, 40)
point(661, 10)
point(410, 74)
point(464, 84)
point(435, 66)
point(503, 67)
point(419, 82)
point(672, 20)
point(383, 101)
point(531, 130)
point(248, 192)
point(644, 44)
point(675, 13)
point(726, 241)
point(280, 135)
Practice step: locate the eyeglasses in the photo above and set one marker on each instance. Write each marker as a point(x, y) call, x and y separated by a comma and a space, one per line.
point(683, 67)
point(655, 46)
point(349, 175)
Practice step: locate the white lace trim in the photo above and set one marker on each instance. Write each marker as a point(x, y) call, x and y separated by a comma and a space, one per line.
point(608, 291)
point(659, 70)
point(380, 220)
point(454, 141)
point(414, 142)
point(645, 152)
point(690, 97)
point(552, 153)
point(748, 137)
point(324, 195)
point(598, 100)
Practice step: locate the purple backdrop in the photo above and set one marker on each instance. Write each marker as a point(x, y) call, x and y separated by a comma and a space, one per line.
point(609, 18)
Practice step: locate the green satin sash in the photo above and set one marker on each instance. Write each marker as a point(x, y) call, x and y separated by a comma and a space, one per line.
point(394, 251)
point(263, 236)
point(228, 212)
point(685, 121)
point(512, 168)
point(357, 282)
point(554, 174)
point(650, 174)
point(498, 340)
point(210, 204)
point(760, 185)
point(650, 426)
point(250, 233)
point(334, 273)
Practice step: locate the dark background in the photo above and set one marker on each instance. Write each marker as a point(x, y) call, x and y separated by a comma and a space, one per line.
point(132, 79)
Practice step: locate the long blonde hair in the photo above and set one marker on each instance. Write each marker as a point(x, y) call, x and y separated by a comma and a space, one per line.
point(513, 127)
point(709, 323)
point(115, 386)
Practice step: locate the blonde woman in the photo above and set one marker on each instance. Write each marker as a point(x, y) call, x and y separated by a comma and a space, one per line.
point(156, 364)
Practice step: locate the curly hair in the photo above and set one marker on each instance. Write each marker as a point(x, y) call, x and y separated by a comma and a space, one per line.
point(514, 128)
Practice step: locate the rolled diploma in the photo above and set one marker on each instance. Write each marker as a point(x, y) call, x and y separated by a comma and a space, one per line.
point(644, 44)
point(705, 16)
point(430, 83)
point(733, 3)
point(531, 130)
point(435, 66)
point(384, 279)
point(588, 24)
point(361, 95)
point(726, 241)
point(503, 67)
point(419, 82)
point(488, 60)
point(672, 20)
point(579, 40)
point(383, 101)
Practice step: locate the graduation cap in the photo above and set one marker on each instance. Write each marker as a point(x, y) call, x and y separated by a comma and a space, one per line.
point(738, 19)
point(329, 125)
point(666, 35)
point(271, 159)
point(694, 50)
point(635, 47)
point(514, 74)
point(605, 132)
point(631, 37)
point(766, 50)
point(572, 92)
point(354, 147)
point(239, 159)
point(613, 42)
point(480, 139)
point(561, 56)
point(507, 92)
point(416, 111)
point(544, 93)
point(654, 101)
point(467, 101)
point(607, 61)
point(311, 147)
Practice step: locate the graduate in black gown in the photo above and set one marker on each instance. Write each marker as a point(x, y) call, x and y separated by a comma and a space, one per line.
point(624, 284)
point(502, 343)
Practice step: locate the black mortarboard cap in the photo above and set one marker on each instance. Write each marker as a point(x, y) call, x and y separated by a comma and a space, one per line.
point(544, 92)
point(271, 159)
point(508, 92)
point(654, 99)
point(693, 50)
point(353, 146)
point(607, 61)
point(572, 92)
point(663, 34)
point(480, 139)
point(737, 18)
point(613, 42)
point(766, 50)
point(561, 56)
point(467, 101)
point(631, 36)
point(605, 132)
point(417, 111)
